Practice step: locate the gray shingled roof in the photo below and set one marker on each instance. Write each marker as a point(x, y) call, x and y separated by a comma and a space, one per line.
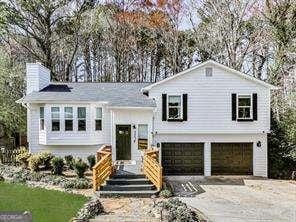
point(116, 94)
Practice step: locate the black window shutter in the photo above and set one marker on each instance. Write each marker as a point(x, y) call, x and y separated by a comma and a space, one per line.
point(164, 107)
point(233, 105)
point(255, 112)
point(185, 105)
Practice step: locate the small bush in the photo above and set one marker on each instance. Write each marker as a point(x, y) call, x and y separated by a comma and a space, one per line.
point(165, 193)
point(54, 180)
point(78, 184)
point(91, 161)
point(69, 161)
point(34, 162)
point(57, 164)
point(80, 167)
point(23, 157)
point(90, 210)
point(2, 179)
point(45, 158)
point(178, 211)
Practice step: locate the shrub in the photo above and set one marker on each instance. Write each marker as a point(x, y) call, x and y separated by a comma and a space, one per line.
point(57, 164)
point(34, 162)
point(165, 193)
point(91, 161)
point(45, 158)
point(80, 167)
point(2, 179)
point(178, 211)
point(79, 183)
point(69, 161)
point(90, 210)
point(23, 157)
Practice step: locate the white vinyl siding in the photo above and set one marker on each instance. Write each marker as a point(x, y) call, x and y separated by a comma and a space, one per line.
point(209, 103)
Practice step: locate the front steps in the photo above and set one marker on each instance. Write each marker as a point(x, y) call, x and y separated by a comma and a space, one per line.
point(127, 186)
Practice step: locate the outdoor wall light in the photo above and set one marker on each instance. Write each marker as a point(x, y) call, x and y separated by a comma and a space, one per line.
point(259, 144)
point(134, 126)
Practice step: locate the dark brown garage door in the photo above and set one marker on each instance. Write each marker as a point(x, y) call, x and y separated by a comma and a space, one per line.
point(232, 158)
point(182, 158)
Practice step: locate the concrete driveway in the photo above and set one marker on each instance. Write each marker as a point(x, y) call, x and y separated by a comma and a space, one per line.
point(233, 199)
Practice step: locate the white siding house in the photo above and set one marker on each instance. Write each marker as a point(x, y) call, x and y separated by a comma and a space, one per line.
point(207, 120)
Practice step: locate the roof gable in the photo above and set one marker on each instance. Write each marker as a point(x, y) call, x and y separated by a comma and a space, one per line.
point(211, 62)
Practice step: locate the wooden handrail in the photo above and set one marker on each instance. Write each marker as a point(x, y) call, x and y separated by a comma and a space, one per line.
point(152, 168)
point(103, 168)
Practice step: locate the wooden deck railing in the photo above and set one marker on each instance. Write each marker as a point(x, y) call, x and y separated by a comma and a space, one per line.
point(103, 168)
point(152, 168)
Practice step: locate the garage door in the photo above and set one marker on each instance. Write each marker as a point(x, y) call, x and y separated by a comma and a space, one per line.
point(182, 158)
point(232, 158)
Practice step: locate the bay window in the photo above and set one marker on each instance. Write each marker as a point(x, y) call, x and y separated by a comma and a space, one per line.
point(55, 118)
point(68, 111)
point(98, 120)
point(41, 117)
point(81, 116)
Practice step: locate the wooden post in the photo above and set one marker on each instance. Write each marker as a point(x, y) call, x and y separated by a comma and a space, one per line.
point(94, 179)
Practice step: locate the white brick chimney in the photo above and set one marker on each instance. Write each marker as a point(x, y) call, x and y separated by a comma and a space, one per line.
point(38, 77)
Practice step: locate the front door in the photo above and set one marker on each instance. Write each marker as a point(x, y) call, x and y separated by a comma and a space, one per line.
point(123, 142)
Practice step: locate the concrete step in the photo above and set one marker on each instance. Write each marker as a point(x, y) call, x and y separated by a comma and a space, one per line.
point(124, 218)
point(132, 187)
point(131, 193)
point(128, 176)
point(127, 181)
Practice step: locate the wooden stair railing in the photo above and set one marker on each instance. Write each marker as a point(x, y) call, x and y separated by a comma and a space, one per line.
point(152, 168)
point(103, 168)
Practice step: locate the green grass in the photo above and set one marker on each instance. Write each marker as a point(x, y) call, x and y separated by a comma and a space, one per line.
point(45, 205)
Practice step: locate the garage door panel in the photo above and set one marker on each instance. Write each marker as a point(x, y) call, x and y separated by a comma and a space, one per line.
point(182, 158)
point(232, 158)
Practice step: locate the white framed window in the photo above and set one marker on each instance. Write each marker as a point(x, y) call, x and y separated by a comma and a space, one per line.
point(244, 107)
point(98, 119)
point(41, 117)
point(81, 117)
point(68, 112)
point(55, 118)
point(142, 136)
point(174, 107)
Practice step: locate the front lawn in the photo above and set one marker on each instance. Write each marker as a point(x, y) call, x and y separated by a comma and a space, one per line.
point(45, 205)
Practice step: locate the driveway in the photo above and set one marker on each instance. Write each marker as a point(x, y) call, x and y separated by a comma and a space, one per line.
point(233, 199)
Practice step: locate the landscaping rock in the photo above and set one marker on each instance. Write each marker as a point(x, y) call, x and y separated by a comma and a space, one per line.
point(90, 210)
